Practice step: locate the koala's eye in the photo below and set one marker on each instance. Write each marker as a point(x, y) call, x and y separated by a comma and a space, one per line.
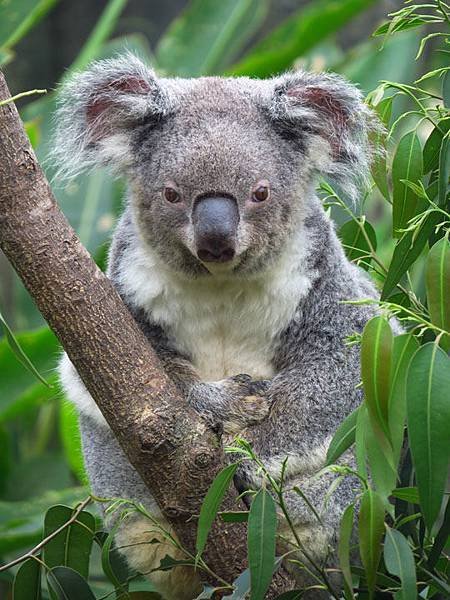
point(261, 193)
point(171, 195)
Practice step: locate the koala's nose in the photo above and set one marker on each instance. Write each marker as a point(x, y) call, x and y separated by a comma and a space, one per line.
point(215, 221)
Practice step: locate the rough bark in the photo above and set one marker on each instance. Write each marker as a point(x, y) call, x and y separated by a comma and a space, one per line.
point(164, 439)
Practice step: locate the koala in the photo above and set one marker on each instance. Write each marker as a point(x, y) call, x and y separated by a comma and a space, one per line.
point(230, 265)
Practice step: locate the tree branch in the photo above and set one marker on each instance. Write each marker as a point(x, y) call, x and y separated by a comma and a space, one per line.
point(175, 453)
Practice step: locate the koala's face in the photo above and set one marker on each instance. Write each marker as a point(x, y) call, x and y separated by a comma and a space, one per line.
point(219, 169)
point(215, 185)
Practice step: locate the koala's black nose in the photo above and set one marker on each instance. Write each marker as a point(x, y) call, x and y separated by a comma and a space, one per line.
point(215, 222)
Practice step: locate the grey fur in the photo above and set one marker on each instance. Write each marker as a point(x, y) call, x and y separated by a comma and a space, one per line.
point(221, 136)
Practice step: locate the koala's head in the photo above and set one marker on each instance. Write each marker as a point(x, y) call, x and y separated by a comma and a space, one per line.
point(220, 169)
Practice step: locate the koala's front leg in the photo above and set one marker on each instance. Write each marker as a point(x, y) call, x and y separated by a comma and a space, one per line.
point(235, 403)
point(230, 405)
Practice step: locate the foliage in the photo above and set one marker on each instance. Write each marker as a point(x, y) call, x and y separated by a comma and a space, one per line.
point(400, 433)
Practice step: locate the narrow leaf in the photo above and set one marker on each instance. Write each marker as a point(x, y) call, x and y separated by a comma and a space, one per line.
point(406, 251)
point(376, 359)
point(345, 535)
point(371, 529)
point(407, 164)
point(433, 144)
point(343, 438)
point(444, 170)
point(399, 561)
point(262, 528)
point(404, 348)
point(20, 354)
point(211, 504)
point(438, 286)
point(428, 416)
point(355, 243)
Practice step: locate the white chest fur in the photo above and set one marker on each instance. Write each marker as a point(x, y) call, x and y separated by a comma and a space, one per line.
point(226, 325)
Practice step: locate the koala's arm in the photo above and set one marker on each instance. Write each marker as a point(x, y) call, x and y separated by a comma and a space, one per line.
point(312, 393)
point(230, 404)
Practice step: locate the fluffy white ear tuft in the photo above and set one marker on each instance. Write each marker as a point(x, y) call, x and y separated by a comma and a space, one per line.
point(323, 107)
point(97, 111)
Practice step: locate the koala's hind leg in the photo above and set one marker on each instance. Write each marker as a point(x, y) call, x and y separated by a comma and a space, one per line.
point(138, 538)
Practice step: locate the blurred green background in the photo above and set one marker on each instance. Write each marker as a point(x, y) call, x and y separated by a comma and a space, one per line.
point(40, 43)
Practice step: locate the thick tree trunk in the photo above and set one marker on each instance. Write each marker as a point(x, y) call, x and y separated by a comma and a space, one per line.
point(176, 455)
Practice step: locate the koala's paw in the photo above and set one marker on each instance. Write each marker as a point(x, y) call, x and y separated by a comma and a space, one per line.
point(249, 404)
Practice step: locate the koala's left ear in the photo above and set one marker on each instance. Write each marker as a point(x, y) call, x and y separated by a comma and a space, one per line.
point(326, 115)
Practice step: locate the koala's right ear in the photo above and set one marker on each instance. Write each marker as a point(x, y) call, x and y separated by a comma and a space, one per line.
point(98, 110)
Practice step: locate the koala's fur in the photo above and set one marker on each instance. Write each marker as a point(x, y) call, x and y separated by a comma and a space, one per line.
point(274, 313)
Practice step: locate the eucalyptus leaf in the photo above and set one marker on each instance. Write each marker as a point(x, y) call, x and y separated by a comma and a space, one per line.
point(428, 416)
point(68, 584)
point(407, 250)
point(433, 144)
point(407, 164)
point(399, 561)
point(72, 546)
point(355, 242)
point(376, 361)
point(371, 530)
point(403, 350)
point(261, 537)
point(438, 287)
point(211, 504)
point(27, 582)
point(345, 535)
point(343, 438)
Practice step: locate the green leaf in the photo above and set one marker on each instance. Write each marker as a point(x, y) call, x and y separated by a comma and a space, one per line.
point(441, 539)
point(404, 347)
point(211, 504)
point(112, 564)
point(438, 286)
point(18, 17)
point(444, 170)
point(72, 546)
point(207, 35)
point(406, 251)
point(240, 516)
point(355, 243)
point(399, 561)
point(345, 535)
point(371, 529)
point(68, 584)
point(446, 89)
point(69, 431)
point(376, 360)
point(27, 582)
point(407, 164)
point(305, 29)
point(19, 353)
point(428, 416)
point(382, 473)
point(343, 438)
point(408, 494)
point(400, 25)
point(360, 442)
point(433, 146)
point(262, 529)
